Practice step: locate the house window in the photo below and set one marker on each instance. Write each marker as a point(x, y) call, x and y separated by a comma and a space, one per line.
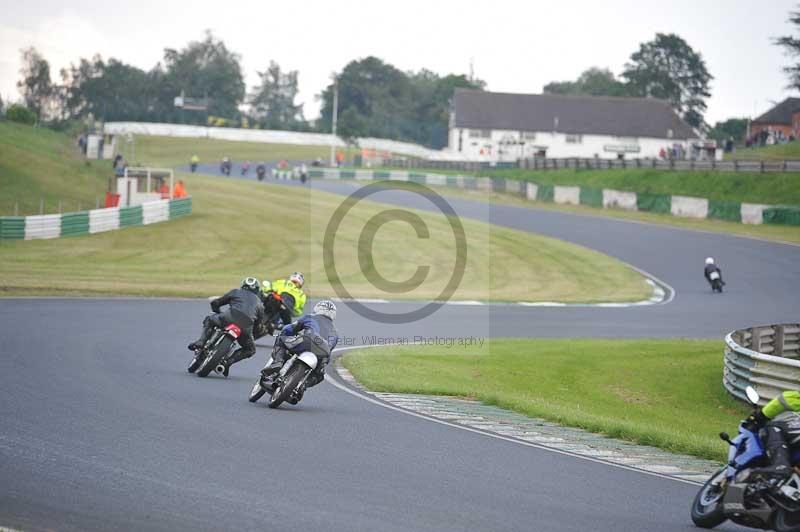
point(574, 139)
point(529, 135)
point(480, 133)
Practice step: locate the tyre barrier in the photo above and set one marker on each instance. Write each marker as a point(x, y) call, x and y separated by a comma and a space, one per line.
point(683, 206)
point(91, 222)
point(765, 357)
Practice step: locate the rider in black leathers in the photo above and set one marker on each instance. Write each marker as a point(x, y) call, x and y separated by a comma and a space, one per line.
point(315, 333)
point(711, 267)
point(244, 308)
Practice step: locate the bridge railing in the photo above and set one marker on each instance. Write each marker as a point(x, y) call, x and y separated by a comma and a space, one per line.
point(765, 357)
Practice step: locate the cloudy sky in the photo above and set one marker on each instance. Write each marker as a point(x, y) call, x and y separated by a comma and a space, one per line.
point(515, 46)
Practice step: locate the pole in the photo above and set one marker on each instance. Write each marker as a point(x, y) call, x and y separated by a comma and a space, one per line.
point(333, 121)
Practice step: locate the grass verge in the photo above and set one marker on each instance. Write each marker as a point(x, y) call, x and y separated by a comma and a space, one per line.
point(241, 228)
point(778, 233)
point(664, 393)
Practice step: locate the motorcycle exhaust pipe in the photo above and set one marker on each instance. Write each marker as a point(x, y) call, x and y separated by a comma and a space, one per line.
point(220, 368)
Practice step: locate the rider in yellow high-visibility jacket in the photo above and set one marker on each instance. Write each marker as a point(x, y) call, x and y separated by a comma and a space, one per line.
point(291, 293)
point(781, 420)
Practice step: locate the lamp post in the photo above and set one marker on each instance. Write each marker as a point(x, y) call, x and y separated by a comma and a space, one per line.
point(333, 122)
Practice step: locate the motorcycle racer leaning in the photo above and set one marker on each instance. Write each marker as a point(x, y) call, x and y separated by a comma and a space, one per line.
point(291, 293)
point(781, 421)
point(244, 308)
point(315, 333)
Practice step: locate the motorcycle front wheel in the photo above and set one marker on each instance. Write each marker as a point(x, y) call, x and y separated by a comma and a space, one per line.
point(257, 392)
point(288, 384)
point(786, 521)
point(707, 510)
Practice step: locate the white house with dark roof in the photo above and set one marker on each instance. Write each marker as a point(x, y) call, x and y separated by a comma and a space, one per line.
point(504, 127)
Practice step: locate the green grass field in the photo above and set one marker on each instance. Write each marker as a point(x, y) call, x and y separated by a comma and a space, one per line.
point(665, 393)
point(241, 228)
point(174, 152)
point(777, 152)
point(37, 163)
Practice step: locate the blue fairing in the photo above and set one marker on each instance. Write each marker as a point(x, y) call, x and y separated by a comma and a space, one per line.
point(746, 448)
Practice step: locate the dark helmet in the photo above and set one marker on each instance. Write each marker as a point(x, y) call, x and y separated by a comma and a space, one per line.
point(251, 284)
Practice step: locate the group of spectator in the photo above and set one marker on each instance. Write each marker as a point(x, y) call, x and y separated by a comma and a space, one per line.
point(768, 137)
point(675, 151)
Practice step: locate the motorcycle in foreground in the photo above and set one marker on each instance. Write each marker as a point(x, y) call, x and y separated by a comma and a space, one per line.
point(290, 382)
point(716, 282)
point(748, 499)
point(215, 351)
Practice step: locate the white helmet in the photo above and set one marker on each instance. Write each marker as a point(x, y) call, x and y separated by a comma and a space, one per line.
point(709, 260)
point(326, 308)
point(298, 279)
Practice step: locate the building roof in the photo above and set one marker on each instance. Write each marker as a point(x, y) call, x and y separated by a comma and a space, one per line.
point(588, 115)
point(781, 113)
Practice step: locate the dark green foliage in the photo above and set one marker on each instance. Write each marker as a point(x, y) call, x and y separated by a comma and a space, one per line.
point(378, 100)
point(273, 100)
point(21, 114)
point(791, 46)
point(668, 68)
point(732, 128)
point(592, 82)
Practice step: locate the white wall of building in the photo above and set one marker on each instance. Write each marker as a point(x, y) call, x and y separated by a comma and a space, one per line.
point(503, 145)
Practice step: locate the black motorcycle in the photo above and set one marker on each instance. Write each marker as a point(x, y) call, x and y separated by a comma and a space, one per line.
point(210, 356)
point(748, 499)
point(261, 171)
point(290, 382)
point(225, 168)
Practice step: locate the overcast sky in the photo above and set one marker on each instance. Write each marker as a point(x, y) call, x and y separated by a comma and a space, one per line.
point(515, 46)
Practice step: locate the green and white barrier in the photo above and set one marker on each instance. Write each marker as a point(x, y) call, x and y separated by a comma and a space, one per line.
point(91, 222)
point(684, 206)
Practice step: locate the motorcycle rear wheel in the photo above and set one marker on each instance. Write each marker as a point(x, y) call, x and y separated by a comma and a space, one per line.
point(785, 521)
point(288, 385)
point(219, 351)
point(707, 510)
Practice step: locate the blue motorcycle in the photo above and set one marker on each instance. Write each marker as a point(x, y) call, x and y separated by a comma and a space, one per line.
point(744, 498)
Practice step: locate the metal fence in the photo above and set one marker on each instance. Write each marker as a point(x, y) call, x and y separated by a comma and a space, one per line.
point(764, 357)
point(596, 163)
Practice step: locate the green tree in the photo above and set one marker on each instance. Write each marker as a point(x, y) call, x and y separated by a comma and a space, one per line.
point(668, 68)
point(273, 100)
point(21, 114)
point(35, 85)
point(378, 100)
point(735, 128)
point(791, 46)
point(592, 82)
point(109, 90)
point(204, 69)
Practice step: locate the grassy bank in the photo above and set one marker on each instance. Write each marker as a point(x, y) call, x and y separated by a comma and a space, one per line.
point(172, 152)
point(774, 188)
point(241, 228)
point(780, 233)
point(39, 164)
point(777, 152)
point(665, 393)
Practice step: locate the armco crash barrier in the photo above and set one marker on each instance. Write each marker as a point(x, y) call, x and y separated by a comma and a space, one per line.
point(764, 357)
point(90, 222)
point(684, 206)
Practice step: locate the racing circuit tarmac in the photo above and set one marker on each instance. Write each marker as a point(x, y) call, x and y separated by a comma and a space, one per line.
point(103, 429)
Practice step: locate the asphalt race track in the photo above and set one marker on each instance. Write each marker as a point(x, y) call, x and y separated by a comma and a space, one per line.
point(101, 428)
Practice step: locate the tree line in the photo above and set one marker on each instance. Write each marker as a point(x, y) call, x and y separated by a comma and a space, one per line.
point(375, 99)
